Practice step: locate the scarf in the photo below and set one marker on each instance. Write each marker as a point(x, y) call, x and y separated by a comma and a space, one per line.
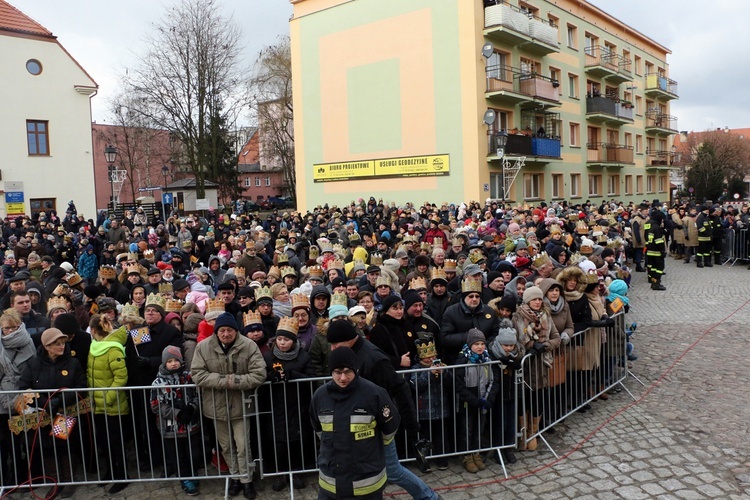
point(286, 356)
point(479, 376)
point(573, 296)
point(597, 306)
point(537, 324)
point(16, 349)
point(556, 307)
point(282, 309)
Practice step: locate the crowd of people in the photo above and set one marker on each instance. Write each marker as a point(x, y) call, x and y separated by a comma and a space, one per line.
point(230, 301)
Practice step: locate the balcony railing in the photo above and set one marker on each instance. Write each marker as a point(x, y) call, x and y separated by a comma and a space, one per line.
point(505, 81)
point(658, 157)
point(525, 145)
point(660, 122)
point(512, 25)
point(606, 152)
point(661, 86)
point(604, 62)
point(609, 109)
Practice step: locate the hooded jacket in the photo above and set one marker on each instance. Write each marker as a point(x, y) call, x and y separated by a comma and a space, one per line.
point(106, 368)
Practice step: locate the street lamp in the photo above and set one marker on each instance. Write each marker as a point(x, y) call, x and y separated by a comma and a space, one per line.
point(164, 172)
point(501, 140)
point(110, 154)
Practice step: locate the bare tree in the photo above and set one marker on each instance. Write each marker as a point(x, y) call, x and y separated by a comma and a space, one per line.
point(190, 76)
point(715, 158)
point(272, 102)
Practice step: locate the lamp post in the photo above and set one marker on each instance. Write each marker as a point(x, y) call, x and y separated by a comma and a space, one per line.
point(164, 172)
point(501, 140)
point(110, 154)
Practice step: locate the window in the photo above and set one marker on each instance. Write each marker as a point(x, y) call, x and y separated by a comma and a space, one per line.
point(558, 189)
point(575, 135)
point(613, 185)
point(529, 66)
point(533, 186)
point(575, 185)
point(553, 21)
point(34, 67)
point(554, 75)
point(257, 182)
point(638, 105)
point(268, 181)
point(37, 137)
point(247, 182)
point(650, 145)
point(637, 63)
point(638, 184)
point(595, 184)
point(649, 67)
point(628, 139)
point(496, 186)
point(572, 86)
point(650, 183)
point(591, 42)
point(638, 144)
point(628, 184)
point(572, 37)
point(662, 183)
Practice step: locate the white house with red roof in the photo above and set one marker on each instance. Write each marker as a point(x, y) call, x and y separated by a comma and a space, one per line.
point(45, 122)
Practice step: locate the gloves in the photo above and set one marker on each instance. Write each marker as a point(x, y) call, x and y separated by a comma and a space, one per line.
point(276, 376)
point(481, 403)
point(540, 347)
point(178, 404)
point(185, 415)
point(54, 406)
point(565, 338)
point(142, 363)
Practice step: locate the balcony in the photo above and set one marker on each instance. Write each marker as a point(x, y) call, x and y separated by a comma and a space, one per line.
point(510, 86)
point(660, 123)
point(660, 87)
point(508, 24)
point(535, 149)
point(604, 154)
point(657, 157)
point(602, 109)
point(601, 62)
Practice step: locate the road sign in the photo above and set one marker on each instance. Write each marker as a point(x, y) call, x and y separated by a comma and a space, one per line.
point(691, 190)
point(149, 189)
point(166, 198)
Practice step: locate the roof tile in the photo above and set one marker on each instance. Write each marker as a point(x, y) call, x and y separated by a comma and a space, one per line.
point(12, 19)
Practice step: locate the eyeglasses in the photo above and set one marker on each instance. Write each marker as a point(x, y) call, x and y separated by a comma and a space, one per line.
point(473, 296)
point(9, 329)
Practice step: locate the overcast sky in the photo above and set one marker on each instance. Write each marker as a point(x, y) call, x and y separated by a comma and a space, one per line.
point(709, 43)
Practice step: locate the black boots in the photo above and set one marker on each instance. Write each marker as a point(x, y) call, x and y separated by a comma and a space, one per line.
point(658, 286)
point(707, 261)
point(699, 261)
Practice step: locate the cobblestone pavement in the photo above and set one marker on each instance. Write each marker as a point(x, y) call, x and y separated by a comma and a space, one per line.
point(687, 437)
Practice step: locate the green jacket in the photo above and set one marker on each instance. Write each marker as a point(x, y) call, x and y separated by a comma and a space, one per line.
point(106, 368)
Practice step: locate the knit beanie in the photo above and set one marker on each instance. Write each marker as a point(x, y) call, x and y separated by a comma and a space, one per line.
point(473, 336)
point(225, 319)
point(67, 323)
point(340, 331)
point(337, 310)
point(389, 301)
point(492, 276)
point(532, 293)
point(170, 352)
point(342, 357)
point(506, 334)
point(410, 298)
point(507, 302)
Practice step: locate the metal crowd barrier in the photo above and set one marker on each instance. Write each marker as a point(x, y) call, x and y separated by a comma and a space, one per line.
point(735, 246)
point(572, 376)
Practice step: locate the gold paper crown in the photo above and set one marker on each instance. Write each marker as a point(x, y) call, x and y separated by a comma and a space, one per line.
point(476, 257)
point(288, 271)
point(554, 228)
point(173, 305)
point(382, 280)
point(300, 300)
point(165, 288)
point(249, 244)
point(288, 324)
point(132, 255)
point(426, 349)
point(438, 273)
point(590, 277)
point(263, 292)
point(314, 252)
point(376, 259)
point(274, 271)
point(425, 246)
point(57, 303)
point(339, 299)
point(418, 283)
point(450, 266)
point(471, 285)
point(457, 242)
point(239, 272)
point(154, 299)
point(280, 243)
point(252, 318)
point(133, 268)
point(215, 306)
point(326, 246)
point(108, 272)
point(73, 279)
point(598, 228)
point(338, 248)
point(148, 254)
point(60, 290)
point(335, 264)
point(582, 227)
point(282, 258)
point(540, 260)
point(315, 272)
point(129, 310)
point(437, 242)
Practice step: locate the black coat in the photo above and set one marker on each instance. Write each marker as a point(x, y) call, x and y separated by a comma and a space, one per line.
point(144, 359)
point(290, 402)
point(458, 319)
point(41, 373)
point(395, 338)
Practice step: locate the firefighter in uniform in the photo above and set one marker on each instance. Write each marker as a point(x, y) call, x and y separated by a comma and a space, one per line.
point(705, 234)
point(717, 233)
point(653, 230)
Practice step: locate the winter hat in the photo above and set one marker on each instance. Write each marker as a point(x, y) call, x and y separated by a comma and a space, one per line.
point(472, 270)
point(513, 227)
point(506, 334)
point(340, 331)
point(492, 276)
point(180, 284)
point(337, 310)
point(173, 315)
point(410, 298)
point(92, 291)
point(473, 336)
point(587, 266)
point(389, 301)
point(507, 302)
point(532, 293)
point(170, 352)
point(192, 322)
point(337, 282)
point(50, 335)
point(67, 323)
point(225, 319)
point(607, 252)
point(521, 245)
point(342, 357)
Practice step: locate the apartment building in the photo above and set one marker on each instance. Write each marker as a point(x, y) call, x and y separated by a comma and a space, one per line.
point(456, 100)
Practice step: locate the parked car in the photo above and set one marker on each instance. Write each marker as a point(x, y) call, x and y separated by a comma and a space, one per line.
point(276, 202)
point(251, 206)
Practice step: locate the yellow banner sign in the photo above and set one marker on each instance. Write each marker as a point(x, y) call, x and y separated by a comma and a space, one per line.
point(14, 208)
point(407, 166)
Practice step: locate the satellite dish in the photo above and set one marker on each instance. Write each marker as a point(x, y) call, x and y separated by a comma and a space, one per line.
point(487, 50)
point(489, 117)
